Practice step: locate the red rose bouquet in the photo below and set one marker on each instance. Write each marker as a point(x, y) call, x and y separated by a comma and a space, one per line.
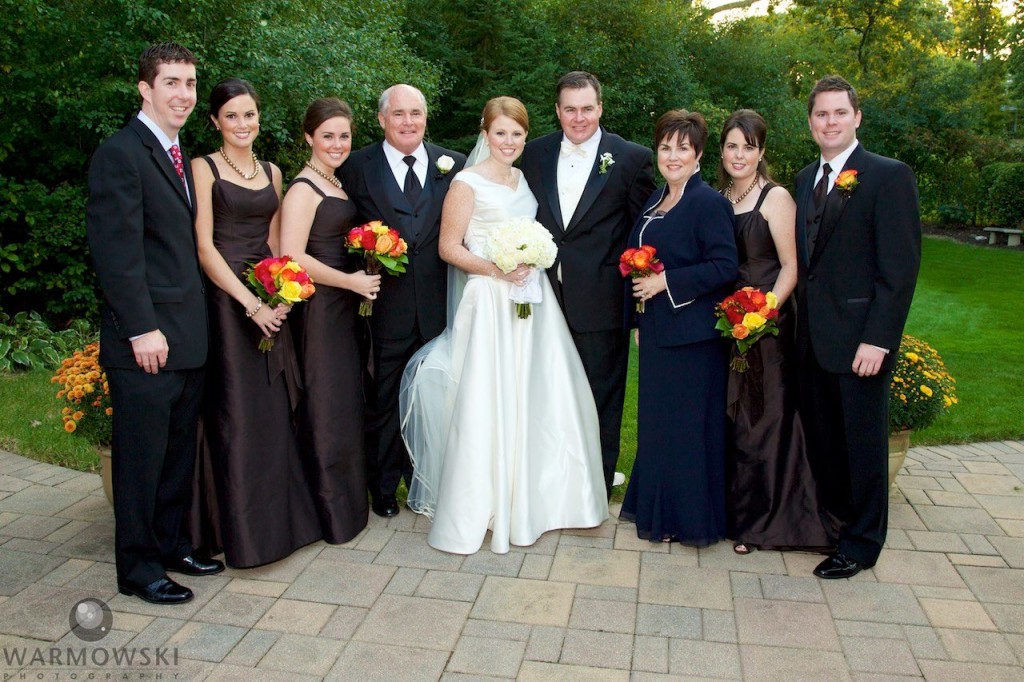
point(640, 263)
point(276, 281)
point(381, 248)
point(746, 316)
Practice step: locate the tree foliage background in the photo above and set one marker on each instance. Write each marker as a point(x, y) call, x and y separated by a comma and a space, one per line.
point(939, 85)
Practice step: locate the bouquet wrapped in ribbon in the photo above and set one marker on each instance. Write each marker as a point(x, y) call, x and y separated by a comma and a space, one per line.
point(745, 316)
point(638, 263)
point(276, 281)
point(523, 241)
point(381, 248)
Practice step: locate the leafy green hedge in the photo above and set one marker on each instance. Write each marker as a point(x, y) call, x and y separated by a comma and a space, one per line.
point(1004, 193)
point(27, 342)
point(44, 257)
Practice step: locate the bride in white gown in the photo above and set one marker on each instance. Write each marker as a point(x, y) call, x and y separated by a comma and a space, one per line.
point(497, 412)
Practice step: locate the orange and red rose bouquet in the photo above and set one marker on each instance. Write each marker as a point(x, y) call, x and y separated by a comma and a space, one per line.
point(640, 262)
point(745, 316)
point(381, 248)
point(276, 281)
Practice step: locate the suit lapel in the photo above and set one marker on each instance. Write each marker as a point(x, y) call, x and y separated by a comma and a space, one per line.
point(595, 183)
point(436, 182)
point(803, 209)
point(163, 160)
point(384, 189)
point(549, 177)
point(835, 205)
point(191, 182)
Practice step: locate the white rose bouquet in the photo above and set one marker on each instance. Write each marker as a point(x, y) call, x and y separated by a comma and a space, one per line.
point(522, 241)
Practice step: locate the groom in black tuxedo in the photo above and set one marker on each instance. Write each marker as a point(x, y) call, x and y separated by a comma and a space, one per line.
point(591, 185)
point(153, 330)
point(401, 181)
point(859, 242)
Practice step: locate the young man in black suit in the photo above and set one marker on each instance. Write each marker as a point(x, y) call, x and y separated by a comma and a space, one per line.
point(591, 185)
point(153, 331)
point(859, 242)
point(401, 181)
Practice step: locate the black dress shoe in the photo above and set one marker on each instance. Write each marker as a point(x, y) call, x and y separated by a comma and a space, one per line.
point(385, 505)
point(838, 565)
point(189, 565)
point(160, 591)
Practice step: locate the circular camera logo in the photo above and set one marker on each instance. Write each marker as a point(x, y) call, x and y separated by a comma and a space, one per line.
point(90, 620)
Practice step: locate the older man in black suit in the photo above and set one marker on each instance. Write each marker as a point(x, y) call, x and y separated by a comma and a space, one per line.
point(591, 185)
point(153, 331)
point(859, 238)
point(401, 181)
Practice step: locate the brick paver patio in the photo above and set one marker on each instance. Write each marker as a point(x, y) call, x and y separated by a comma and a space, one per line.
point(945, 602)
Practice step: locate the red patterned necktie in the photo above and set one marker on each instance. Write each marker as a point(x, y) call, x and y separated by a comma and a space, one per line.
point(179, 165)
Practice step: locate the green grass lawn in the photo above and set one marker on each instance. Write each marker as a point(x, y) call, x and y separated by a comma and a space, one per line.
point(31, 425)
point(964, 307)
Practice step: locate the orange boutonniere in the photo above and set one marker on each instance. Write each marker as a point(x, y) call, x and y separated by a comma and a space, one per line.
point(847, 182)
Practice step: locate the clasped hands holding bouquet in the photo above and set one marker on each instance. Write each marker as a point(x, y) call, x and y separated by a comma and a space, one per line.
point(647, 287)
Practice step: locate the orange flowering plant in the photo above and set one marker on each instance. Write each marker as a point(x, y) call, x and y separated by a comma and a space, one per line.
point(84, 390)
point(381, 248)
point(640, 262)
point(276, 281)
point(745, 316)
point(921, 389)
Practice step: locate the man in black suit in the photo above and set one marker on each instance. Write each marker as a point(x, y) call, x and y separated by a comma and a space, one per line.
point(401, 181)
point(591, 185)
point(859, 241)
point(153, 331)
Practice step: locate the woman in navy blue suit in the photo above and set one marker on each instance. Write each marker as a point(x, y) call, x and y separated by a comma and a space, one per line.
point(677, 489)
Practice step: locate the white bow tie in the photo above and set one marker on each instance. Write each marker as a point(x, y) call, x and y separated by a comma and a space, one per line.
point(570, 148)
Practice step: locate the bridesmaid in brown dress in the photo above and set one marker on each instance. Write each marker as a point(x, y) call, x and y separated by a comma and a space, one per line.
point(771, 500)
point(316, 216)
point(259, 505)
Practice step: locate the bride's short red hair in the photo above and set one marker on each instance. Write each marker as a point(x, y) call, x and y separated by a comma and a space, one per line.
point(504, 106)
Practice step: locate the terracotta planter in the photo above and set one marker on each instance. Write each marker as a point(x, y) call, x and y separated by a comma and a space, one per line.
point(106, 473)
point(899, 444)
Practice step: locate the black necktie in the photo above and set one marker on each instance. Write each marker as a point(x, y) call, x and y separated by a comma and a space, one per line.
point(412, 188)
point(820, 190)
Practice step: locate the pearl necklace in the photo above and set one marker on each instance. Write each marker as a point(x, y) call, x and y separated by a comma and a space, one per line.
point(329, 178)
point(728, 192)
point(247, 176)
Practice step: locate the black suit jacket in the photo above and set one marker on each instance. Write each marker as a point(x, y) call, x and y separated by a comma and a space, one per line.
point(590, 245)
point(140, 227)
point(857, 284)
point(418, 295)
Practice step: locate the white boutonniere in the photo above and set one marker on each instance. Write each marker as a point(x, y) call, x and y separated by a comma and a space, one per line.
point(607, 161)
point(445, 164)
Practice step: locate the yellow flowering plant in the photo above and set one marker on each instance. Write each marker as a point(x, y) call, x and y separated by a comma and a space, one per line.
point(921, 388)
point(85, 394)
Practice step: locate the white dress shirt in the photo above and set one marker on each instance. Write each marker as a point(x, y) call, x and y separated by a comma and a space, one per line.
point(399, 168)
point(573, 171)
point(836, 166)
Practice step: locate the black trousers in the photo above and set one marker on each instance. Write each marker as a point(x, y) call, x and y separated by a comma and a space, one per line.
point(605, 357)
point(153, 456)
point(387, 460)
point(845, 420)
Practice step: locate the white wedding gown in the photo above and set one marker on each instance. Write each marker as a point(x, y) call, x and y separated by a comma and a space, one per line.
point(497, 412)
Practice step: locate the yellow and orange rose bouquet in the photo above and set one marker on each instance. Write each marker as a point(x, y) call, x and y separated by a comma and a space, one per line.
point(381, 248)
point(276, 281)
point(745, 316)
